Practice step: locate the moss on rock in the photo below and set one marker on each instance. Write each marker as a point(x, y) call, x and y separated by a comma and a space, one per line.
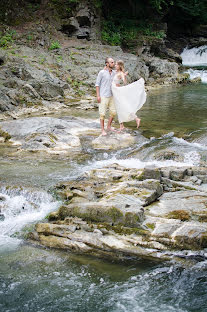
point(179, 214)
point(5, 135)
point(115, 214)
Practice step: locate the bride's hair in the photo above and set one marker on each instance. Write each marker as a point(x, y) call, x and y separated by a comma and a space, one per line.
point(121, 65)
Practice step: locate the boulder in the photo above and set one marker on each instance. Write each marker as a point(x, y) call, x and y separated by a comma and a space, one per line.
point(163, 68)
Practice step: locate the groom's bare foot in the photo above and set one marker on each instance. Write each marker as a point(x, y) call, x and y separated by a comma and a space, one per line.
point(138, 122)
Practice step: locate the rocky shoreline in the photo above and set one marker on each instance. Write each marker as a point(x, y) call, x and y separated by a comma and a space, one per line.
point(33, 79)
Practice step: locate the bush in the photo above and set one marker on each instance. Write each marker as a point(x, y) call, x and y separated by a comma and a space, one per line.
point(6, 38)
point(54, 45)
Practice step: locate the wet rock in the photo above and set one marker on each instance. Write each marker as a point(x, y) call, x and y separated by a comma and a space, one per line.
point(119, 210)
point(2, 217)
point(191, 234)
point(191, 202)
point(178, 174)
point(59, 230)
point(165, 228)
point(111, 213)
point(151, 172)
point(51, 135)
point(115, 141)
point(2, 198)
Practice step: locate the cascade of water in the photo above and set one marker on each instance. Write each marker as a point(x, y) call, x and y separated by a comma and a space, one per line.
point(196, 73)
point(195, 57)
point(20, 207)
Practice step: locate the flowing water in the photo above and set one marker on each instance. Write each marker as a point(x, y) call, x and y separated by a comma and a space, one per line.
point(34, 279)
point(197, 58)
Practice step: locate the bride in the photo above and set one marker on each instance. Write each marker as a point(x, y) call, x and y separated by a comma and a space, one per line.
point(128, 98)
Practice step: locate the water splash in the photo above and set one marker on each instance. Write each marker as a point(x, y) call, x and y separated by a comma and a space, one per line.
point(20, 207)
point(194, 56)
point(192, 157)
point(195, 73)
point(194, 145)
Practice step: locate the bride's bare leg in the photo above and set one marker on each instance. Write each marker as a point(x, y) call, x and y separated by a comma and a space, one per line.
point(137, 122)
point(121, 126)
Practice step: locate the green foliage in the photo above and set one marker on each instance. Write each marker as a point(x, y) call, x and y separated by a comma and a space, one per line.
point(97, 3)
point(119, 34)
point(76, 85)
point(180, 15)
point(148, 31)
point(192, 9)
point(64, 8)
point(159, 5)
point(7, 38)
point(54, 45)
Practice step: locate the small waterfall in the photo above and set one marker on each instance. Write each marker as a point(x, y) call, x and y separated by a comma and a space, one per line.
point(20, 207)
point(196, 57)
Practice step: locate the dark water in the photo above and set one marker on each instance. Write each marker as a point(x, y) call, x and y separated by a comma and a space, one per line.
point(44, 280)
point(35, 279)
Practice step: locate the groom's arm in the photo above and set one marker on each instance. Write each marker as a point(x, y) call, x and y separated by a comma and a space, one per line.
point(98, 94)
point(98, 82)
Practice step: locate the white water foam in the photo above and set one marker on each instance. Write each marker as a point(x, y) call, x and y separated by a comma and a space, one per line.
point(190, 144)
point(19, 208)
point(194, 56)
point(130, 163)
point(195, 73)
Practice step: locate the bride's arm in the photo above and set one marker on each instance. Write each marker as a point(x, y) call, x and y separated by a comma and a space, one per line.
point(124, 77)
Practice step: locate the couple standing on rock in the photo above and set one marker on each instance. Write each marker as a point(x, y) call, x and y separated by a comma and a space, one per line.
point(113, 93)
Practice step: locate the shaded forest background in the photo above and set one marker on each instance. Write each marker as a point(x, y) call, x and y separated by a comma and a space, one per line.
point(121, 21)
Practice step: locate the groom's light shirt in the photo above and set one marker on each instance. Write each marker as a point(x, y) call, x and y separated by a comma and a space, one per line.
point(104, 81)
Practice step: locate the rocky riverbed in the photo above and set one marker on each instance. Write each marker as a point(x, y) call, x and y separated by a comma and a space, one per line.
point(117, 211)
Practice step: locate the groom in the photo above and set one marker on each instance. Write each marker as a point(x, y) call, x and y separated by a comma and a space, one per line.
point(104, 93)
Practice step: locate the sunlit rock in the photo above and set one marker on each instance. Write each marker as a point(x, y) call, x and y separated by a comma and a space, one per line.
point(113, 141)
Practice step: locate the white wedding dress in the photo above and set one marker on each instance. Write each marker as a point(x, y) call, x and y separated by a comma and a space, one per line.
point(128, 98)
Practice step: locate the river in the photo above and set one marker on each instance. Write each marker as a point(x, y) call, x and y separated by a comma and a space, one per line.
point(34, 279)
